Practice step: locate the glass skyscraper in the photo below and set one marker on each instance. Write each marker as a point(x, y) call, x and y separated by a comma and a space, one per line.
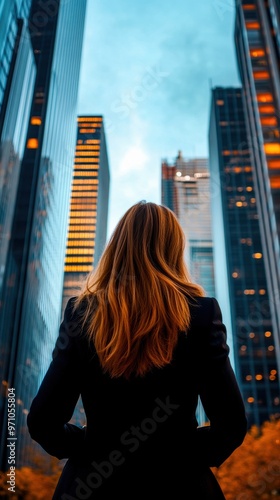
point(186, 191)
point(257, 41)
point(240, 276)
point(33, 269)
point(88, 216)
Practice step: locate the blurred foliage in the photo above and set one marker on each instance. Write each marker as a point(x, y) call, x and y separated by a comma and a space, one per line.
point(252, 472)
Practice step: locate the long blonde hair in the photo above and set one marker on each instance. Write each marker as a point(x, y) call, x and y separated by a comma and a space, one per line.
point(137, 296)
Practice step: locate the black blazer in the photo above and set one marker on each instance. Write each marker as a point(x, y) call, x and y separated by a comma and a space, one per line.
point(142, 436)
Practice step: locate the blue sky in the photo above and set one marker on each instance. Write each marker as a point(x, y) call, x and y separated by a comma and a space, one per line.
point(148, 68)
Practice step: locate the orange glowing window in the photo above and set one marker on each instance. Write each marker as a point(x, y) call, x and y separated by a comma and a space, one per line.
point(261, 75)
point(264, 97)
point(266, 110)
point(269, 121)
point(250, 399)
point(273, 164)
point(272, 148)
point(257, 52)
point(275, 182)
point(252, 25)
point(87, 130)
point(32, 143)
point(36, 120)
point(220, 102)
point(249, 6)
point(257, 255)
point(226, 153)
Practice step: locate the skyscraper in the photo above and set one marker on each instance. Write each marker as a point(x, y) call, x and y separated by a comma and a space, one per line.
point(240, 277)
point(33, 268)
point(88, 216)
point(257, 38)
point(185, 190)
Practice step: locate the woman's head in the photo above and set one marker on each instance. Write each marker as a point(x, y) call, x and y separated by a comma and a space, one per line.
point(137, 297)
point(147, 236)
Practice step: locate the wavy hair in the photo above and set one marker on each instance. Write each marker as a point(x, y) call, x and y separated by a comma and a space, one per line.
point(137, 296)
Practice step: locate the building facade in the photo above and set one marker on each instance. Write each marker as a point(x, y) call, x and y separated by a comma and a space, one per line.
point(185, 190)
point(257, 35)
point(33, 270)
point(241, 283)
point(88, 216)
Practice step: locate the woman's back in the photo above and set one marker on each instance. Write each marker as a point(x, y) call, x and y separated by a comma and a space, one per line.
point(140, 344)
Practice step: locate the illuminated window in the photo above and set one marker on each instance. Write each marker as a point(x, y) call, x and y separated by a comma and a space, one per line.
point(235, 275)
point(86, 153)
point(239, 203)
point(272, 148)
point(79, 251)
point(220, 102)
point(84, 160)
point(88, 148)
point(249, 291)
point(269, 121)
point(32, 143)
point(275, 182)
point(252, 25)
point(226, 152)
point(257, 255)
point(78, 259)
point(248, 6)
point(267, 334)
point(259, 376)
point(262, 291)
point(249, 377)
point(249, 188)
point(35, 120)
point(87, 130)
point(273, 164)
point(77, 269)
point(80, 235)
point(264, 97)
point(270, 348)
point(81, 243)
point(261, 75)
point(250, 399)
point(92, 141)
point(251, 335)
point(257, 52)
point(82, 173)
point(266, 110)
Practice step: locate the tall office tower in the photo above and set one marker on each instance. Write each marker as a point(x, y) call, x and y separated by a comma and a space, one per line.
point(87, 226)
point(33, 271)
point(257, 36)
point(185, 190)
point(240, 277)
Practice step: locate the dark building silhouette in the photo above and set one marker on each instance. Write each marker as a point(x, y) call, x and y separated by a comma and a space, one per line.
point(32, 268)
point(240, 276)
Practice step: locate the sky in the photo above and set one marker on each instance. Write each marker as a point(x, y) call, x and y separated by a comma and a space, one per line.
point(148, 69)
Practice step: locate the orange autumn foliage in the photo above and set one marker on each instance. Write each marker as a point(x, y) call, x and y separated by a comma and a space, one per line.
point(252, 472)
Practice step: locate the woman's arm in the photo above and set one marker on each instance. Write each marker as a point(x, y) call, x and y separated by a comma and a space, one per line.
point(220, 397)
point(54, 404)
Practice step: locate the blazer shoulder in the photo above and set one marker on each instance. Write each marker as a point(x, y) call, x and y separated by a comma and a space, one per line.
point(202, 310)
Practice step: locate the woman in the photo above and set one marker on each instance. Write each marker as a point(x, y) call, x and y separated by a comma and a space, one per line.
point(140, 344)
